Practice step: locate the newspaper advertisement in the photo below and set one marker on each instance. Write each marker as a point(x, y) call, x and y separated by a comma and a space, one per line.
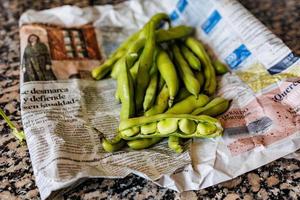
point(65, 113)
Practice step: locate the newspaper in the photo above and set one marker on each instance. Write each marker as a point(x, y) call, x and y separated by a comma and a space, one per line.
point(65, 113)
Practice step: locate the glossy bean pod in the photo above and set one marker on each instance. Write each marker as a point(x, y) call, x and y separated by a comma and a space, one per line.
point(189, 104)
point(101, 71)
point(215, 107)
point(220, 67)
point(151, 91)
point(209, 71)
point(189, 56)
point(161, 102)
point(186, 74)
point(126, 92)
point(169, 125)
point(145, 64)
point(168, 73)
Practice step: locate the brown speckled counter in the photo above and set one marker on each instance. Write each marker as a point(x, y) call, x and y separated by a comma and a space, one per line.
point(277, 180)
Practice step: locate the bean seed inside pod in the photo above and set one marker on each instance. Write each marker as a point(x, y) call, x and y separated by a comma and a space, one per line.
point(148, 128)
point(206, 128)
point(130, 132)
point(187, 126)
point(167, 126)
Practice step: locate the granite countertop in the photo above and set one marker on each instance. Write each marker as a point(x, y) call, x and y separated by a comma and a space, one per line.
point(277, 180)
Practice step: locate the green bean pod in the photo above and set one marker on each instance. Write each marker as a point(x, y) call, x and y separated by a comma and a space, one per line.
point(174, 144)
point(168, 72)
point(189, 104)
point(112, 147)
point(126, 92)
point(161, 103)
point(189, 80)
point(145, 65)
point(220, 67)
point(200, 78)
point(157, 18)
point(134, 71)
point(139, 144)
point(168, 125)
point(192, 60)
point(134, 49)
point(182, 94)
point(215, 107)
point(124, 45)
point(209, 71)
point(161, 83)
point(117, 94)
point(100, 72)
point(134, 52)
point(151, 92)
point(173, 33)
point(147, 56)
point(161, 35)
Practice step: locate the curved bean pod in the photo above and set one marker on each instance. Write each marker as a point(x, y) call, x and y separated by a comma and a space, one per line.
point(126, 92)
point(209, 71)
point(151, 92)
point(215, 107)
point(145, 65)
point(99, 72)
point(168, 72)
point(161, 102)
point(192, 60)
point(220, 67)
point(189, 80)
point(189, 104)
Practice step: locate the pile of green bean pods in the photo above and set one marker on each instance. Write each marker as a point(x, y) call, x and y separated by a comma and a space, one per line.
point(165, 83)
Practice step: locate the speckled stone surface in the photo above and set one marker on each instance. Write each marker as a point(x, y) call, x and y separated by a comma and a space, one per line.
point(277, 180)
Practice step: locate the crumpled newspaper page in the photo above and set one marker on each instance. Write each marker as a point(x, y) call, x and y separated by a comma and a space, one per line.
point(65, 113)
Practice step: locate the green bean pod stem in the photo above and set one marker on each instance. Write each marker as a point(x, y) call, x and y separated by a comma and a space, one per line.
point(215, 107)
point(189, 80)
point(192, 60)
point(168, 72)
